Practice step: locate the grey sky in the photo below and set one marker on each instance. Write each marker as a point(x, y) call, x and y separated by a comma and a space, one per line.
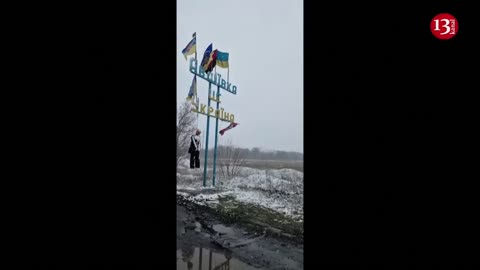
point(264, 39)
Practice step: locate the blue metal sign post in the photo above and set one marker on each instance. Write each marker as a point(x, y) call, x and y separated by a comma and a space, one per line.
point(206, 139)
point(216, 139)
point(217, 113)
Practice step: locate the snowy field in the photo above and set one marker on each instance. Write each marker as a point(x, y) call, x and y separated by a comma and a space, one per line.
point(280, 190)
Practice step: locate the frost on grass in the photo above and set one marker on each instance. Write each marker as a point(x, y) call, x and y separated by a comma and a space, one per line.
point(279, 190)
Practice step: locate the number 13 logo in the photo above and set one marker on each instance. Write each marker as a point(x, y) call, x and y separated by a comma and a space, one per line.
point(444, 26)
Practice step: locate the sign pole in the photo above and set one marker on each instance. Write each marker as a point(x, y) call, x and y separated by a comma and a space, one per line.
point(227, 86)
point(196, 96)
point(216, 139)
point(206, 139)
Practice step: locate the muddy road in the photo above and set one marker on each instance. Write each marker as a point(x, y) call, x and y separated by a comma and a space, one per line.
point(203, 242)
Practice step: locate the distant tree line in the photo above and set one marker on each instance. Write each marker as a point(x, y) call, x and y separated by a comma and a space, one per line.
point(258, 154)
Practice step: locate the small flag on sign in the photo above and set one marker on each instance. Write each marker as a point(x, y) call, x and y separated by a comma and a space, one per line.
point(212, 61)
point(222, 59)
point(206, 56)
point(193, 89)
point(232, 125)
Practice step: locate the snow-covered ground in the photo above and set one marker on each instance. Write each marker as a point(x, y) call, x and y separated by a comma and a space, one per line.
point(279, 190)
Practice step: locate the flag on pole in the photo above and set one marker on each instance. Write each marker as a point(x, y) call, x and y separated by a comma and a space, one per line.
point(232, 125)
point(222, 59)
point(206, 56)
point(191, 47)
point(212, 61)
point(193, 89)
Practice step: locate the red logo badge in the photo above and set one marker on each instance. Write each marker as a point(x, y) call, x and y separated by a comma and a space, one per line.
point(444, 26)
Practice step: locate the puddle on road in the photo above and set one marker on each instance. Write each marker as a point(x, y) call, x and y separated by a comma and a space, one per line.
point(205, 259)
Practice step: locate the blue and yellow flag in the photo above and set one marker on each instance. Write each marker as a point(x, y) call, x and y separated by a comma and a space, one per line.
point(191, 47)
point(193, 89)
point(222, 59)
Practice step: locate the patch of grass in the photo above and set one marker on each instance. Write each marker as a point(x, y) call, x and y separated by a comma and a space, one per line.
point(258, 218)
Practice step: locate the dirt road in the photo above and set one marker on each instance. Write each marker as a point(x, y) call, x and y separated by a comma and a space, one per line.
point(203, 242)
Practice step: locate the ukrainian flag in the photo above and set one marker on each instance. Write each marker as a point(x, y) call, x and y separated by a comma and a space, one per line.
point(193, 89)
point(222, 59)
point(191, 48)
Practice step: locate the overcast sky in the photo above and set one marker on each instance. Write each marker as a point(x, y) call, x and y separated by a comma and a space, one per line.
point(264, 39)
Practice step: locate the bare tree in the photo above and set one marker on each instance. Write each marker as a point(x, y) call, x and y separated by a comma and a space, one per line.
point(230, 159)
point(185, 128)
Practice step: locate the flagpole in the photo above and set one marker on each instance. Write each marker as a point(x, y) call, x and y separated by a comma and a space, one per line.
point(206, 139)
point(196, 96)
point(216, 133)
